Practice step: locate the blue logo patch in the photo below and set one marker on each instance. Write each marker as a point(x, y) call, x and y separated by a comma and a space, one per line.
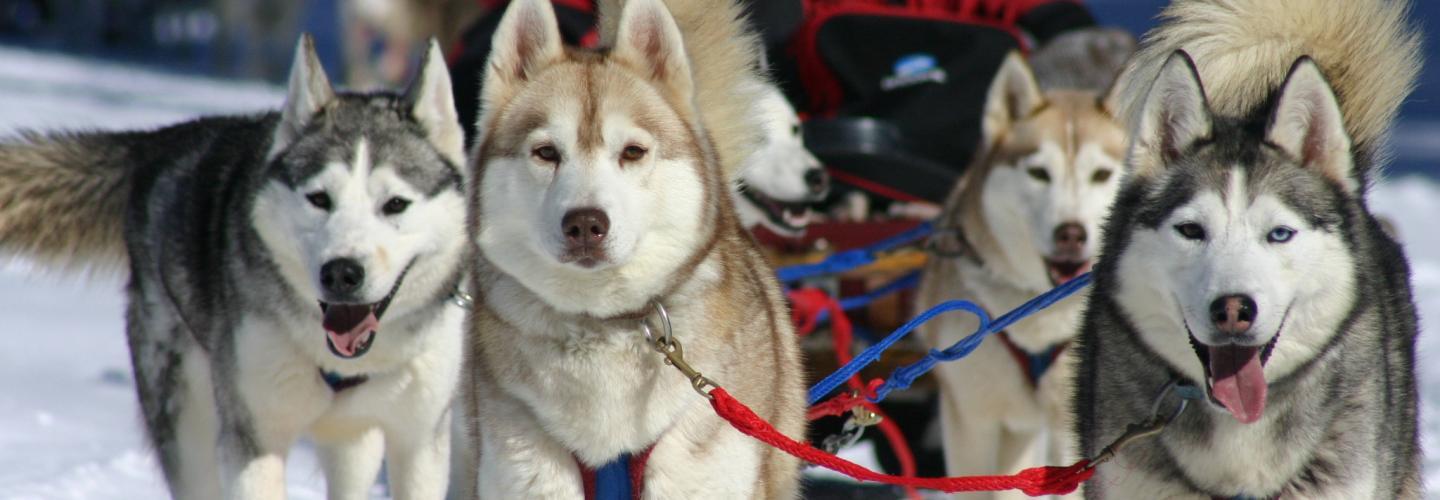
point(914, 69)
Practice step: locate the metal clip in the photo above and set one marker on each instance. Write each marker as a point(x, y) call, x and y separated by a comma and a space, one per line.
point(862, 416)
point(1140, 430)
point(674, 353)
point(849, 434)
point(460, 298)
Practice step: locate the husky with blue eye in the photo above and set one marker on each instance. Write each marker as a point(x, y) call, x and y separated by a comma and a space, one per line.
point(1241, 260)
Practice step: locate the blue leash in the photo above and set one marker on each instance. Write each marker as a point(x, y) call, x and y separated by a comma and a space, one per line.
point(904, 376)
point(840, 262)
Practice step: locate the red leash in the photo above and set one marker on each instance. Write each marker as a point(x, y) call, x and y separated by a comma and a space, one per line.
point(1050, 480)
point(808, 304)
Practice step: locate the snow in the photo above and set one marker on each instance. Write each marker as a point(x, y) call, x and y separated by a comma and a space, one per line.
point(69, 425)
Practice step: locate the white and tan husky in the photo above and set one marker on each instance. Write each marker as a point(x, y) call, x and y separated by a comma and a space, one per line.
point(602, 189)
point(780, 179)
point(1023, 219)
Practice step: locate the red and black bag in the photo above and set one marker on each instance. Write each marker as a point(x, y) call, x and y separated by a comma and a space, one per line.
point(894, 88)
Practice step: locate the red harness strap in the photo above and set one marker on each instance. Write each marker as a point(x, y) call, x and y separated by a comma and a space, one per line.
point(637, 475)
point(1034, 481)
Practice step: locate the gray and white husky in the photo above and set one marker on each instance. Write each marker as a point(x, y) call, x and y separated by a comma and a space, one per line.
point(290, 274)
point(1241, 261)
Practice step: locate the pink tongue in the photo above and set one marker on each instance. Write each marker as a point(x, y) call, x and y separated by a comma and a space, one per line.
point(350, 327)
point(1237, 380)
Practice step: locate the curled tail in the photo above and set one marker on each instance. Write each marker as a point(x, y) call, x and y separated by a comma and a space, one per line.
point(1243, 50)
point(63, 198)
point(725, 64)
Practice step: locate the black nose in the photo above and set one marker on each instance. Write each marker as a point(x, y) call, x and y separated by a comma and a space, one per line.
point(1070, 238)
point(585, 227)
point(1233, 314)
point(817, 180)
point(342, 276)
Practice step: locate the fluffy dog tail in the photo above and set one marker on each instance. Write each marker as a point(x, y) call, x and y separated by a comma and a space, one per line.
point(63, 199)
point(1243, 50)
point(725, 64)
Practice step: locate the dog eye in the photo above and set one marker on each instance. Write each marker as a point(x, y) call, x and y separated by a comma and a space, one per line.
point(320, 200)
point(1039, 174)
point(795, 130)
point(1101, 175)
point(1280, 234)
point(395, 205)
point(1191, 231)
point(632, 153)
point(546, 153)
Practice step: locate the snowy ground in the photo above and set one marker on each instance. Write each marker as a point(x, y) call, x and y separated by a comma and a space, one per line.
point(69, 427)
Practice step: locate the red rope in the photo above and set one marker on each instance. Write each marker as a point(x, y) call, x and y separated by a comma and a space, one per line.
point(807, 305)
point(1034, 481)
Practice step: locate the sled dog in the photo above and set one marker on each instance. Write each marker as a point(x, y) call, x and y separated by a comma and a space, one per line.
point(1241, 263)
point(601, 195)
point(1024, 217)
point(780, 179)
point(290, 273)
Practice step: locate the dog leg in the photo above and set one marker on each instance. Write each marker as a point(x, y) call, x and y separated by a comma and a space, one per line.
point(517, 459)
point(971, 445)
point(419, 461)
point(351, 462)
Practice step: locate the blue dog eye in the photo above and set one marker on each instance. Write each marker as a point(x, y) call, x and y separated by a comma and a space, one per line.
point(1281, 234)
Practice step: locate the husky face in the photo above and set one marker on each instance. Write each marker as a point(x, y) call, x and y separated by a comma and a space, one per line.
point(593, 187)
point(1048, 179)
point(363, 192)
point(1236, 269)
point(781, 179)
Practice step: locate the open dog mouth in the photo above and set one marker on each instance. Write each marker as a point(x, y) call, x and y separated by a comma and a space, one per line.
point(350, 329)
point(788, 215)
point(1235, 375)
point(1064, 270)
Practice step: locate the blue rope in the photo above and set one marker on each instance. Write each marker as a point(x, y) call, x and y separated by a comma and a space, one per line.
point(904, 376)
point(840, 262)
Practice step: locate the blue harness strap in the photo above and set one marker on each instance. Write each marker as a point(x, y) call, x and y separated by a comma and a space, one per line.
point(622, 478)
point(612, 480)
point(1033, 364)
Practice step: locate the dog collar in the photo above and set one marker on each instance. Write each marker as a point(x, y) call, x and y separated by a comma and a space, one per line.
point(338, 382)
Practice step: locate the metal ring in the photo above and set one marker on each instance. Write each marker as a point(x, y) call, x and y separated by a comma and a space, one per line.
point(664, 324)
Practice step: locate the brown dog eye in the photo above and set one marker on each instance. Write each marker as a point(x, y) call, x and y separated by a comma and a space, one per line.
point(632, 153)
point(1039, 174)
point(320, 200)
point(546, 153)
point(1101, 175)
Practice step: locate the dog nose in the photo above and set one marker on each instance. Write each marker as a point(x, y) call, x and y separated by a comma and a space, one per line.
point(342, 276)
point(817, 180)
point(585, 226)
point(1070, 238)
point(1233, 314)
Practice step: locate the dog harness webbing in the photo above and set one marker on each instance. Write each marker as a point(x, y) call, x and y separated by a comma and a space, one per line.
point(620, 479)
point(338, 382)
point(1033, 364)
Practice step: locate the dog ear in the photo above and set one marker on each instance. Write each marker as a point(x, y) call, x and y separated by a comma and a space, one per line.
point(1013, 96)
point(1307, 124)
point(309, 92)
point(1175, 115)
point(649, 40)
point(432, 104)
point(527, 40)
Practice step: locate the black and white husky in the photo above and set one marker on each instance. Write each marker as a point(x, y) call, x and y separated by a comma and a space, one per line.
point(1241, 259)
point(290, 274)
